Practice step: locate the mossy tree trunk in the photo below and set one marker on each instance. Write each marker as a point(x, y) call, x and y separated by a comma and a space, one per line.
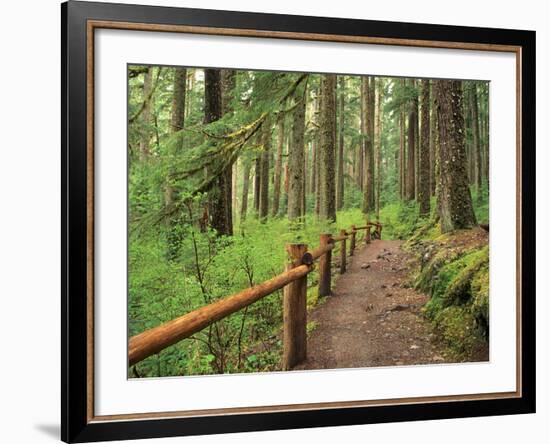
point(316, 136)
point(455, 206)
point(378, 143)
point(257, 182)
point(246, 184)
point(228, 81)
point(296, 157)
point(219, 195)
point(424, 160)
point(476, 139)
point(177, 120)
point(411, 148)
point(433, 136)
point(364, 131)
point(264, 169)
point(340, 172)
point(327, 210)
point(145, 133)
point(402, 146)
point(178, 100)
point(368, 192)
point(278, 166)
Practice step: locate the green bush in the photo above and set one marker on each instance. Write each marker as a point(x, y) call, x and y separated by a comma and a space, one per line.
point(208, 268)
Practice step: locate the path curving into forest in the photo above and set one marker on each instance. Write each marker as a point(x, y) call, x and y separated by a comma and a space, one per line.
point(372, 319)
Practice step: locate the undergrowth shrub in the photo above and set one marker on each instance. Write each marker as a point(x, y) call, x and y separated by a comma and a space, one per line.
point(208, 268)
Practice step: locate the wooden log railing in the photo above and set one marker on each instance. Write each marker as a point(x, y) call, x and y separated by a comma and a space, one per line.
point(293, 281)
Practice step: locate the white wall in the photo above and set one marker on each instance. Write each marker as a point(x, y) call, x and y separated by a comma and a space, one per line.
point(30, 207)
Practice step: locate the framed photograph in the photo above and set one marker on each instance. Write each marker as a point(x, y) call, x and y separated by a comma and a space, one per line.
point(275, 221)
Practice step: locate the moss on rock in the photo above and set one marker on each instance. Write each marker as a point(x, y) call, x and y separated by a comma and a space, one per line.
point(456, 326)
point(454, 270)
point(459, 291)
point(480, 299)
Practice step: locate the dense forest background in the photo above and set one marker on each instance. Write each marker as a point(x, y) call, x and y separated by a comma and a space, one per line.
point(227, 166)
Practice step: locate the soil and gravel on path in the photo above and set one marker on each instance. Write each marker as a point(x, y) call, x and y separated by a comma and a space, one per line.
point(372, 319)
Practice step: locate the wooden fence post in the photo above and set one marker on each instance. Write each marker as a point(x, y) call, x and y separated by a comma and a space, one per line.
point(367, 234)
point(379, 229)
point(324, 266)
point(295, 313)
point(343, 253)
point(352, 240)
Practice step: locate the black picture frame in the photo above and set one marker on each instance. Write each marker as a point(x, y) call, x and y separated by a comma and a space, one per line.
point(76, 423)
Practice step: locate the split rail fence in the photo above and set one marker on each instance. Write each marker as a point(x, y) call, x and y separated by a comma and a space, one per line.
point(294, 283)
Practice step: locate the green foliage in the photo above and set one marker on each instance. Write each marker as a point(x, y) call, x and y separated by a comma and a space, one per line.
point(177, 264)
point(401, 220)
point(209, 268)
point(480, 199)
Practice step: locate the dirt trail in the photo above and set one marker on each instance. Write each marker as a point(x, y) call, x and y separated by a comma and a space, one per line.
point(370, 319)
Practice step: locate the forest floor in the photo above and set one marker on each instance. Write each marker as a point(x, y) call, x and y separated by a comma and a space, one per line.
point(372, 318)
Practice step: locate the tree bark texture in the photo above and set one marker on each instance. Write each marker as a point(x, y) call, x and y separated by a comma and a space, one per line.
point(178, 100)
point(278, 166)
point(433, 138)
point(145, 133)
point(477, 140)
point(411, 149)
point(264, 168)
point(456, 209)
point(402, 146)
point(219, 195)
point(378, 145)
point(246, 184)
point(327, 210)
point(296, 157)
point(424, 160)
point(368, 194)
point(340, 172)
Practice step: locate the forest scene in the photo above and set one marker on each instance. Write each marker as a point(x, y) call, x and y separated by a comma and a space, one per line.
point(358, 204)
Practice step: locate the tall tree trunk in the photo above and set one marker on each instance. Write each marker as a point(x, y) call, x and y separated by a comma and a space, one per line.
point(316, 141)
point(190, 87)
point(417, 141)
point(424, 160)
point(402, 147)
point(264, 167)
point(327, 210)
point(456, 209)
point(304, 178)
point(368, 190)
point(378, 142)
point(145, 133)
point(477, 140)
point(177, 119)
point(219, 198)
point(468, 123)
point(234, 198)
point(246, 183)
point(411, 140)
point(296, 157)
point(486, 138)
point(313, 182)
point(364, 131)
point(257, 182)
point(278, 166)
point(340, 173)
point(433, 130)
point(178, 100)
point(228, 80)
